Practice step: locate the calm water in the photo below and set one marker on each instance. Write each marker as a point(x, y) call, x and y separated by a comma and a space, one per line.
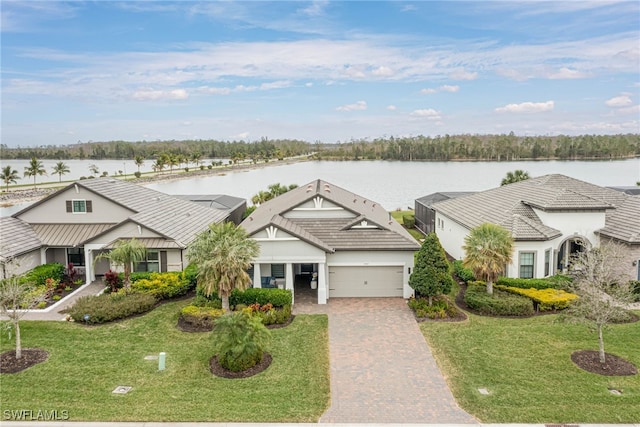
point(392, 184)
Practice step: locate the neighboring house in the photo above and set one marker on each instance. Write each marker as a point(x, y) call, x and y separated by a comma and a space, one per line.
point(425, 215)
point(235, 206)
point(351, 243)
point(550, 217)
point(89, 216)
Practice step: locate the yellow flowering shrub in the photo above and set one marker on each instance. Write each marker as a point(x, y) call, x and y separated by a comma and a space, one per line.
point(545, 299)
point(162, 285)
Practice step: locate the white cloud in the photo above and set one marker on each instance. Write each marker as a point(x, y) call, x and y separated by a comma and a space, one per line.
point(382, 71)
point(634, 109)
point(463, 75)
point(316, 8)
point(428, 91)
point(567, 73)
point(358, 106)
point(215, 90)
point(527, 107)
point(449, 88)
point(155, 95)
point(241, 136)
point(619, 101)
point(428, 113)
point(392, 107)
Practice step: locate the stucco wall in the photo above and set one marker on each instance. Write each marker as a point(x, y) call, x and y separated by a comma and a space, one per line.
point(20, 264)
point(574, 223)
point(451, 235)
point(631, 255)
point(54, 210)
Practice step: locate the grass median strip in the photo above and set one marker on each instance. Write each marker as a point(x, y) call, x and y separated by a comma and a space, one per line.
point(526, 364)
point(87, 363)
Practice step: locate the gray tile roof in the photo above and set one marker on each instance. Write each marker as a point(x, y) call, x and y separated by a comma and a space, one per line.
point(218, 201)
point(175, 219)
point(432, 198)
point(16, 238)
point(330, 233)
point(623, 223)
point(511, 205)
point(68, 234)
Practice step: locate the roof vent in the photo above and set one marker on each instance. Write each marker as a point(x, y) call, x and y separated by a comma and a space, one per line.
point(112, 180)
point(309, 188)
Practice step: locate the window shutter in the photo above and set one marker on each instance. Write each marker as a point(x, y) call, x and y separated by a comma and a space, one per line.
point(163, 261)
point(69, 206)
point(89, 206)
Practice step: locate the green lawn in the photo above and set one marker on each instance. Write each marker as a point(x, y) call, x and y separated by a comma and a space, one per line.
point(526, 366)
point(397, 215)
point(87, 363)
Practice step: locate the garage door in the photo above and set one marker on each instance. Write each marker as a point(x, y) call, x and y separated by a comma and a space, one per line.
point(365, 282)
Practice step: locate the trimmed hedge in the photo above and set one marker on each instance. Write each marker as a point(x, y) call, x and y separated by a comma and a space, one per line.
point(262, 296)
point(409, 221)
point(463, 273)
point(544, 299)
point(109, 307)
point(440, 308)
point(499, 304)
point(162, 285)
point(200, 317)
point(554, 282)
point(41, 273)
point(268, 314)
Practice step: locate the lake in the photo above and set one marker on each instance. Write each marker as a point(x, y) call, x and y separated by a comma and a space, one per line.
point(393, 184)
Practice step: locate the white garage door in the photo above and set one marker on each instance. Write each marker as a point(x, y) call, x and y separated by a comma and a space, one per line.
point(365, 282)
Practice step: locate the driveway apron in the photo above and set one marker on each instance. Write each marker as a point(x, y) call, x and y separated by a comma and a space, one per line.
point(382, 370)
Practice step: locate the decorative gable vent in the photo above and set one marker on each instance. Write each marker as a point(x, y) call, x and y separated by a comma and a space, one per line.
point(271, 232)
point(364, 224)
point(317, 202)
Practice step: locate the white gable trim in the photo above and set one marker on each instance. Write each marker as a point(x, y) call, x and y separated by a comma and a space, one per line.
point(272, 234)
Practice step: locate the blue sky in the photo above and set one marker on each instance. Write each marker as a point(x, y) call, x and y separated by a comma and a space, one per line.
point(323, 70)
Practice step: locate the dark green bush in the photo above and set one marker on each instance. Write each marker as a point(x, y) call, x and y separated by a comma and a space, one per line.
point(191, 274)
point(213, 297)
point(555, 282)
point(41, 273)
point(109, 307)
point(202, 301)
point(635, 289)
point(270, 317)
point(463, 273)
point(136, 275)
point(499, 304)
point(440, 308)
point(262, 296)
point(409, 221)
point(241, 340)
point(137, 174)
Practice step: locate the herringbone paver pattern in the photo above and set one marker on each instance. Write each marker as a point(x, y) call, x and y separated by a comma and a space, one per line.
point(382, 370)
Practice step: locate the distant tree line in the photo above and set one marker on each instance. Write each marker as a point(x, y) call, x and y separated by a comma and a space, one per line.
point(504, 147)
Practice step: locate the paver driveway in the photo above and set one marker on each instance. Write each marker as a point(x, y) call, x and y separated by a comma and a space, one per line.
point(382, 370)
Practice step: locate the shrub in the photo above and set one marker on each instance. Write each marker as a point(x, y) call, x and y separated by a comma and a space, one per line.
point(557, 282)
point(186, 169)
point(463, 273)
point(213, 297)
point(268, 314)
point(39, 275)
point(499, 304)
point(109, 307)
point(162, 285)
point(137, 275)
point(114, 281)
point(544, 299)
point(409, 221)
point(262, 296)
point(191, 274)
point(200, 317)
point(137, 174)
point(440, 308)
point(241, 340)
point(635, 289)
point(202, 301)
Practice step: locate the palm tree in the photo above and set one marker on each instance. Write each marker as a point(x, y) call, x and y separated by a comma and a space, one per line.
point(261, 197)
point(9, 176)
point(34, 169)
point(125, 254)
point(138, 160)
point(488, 249)
point(222, 255)
point(173, 160)
point(515, 176)
point(60, 168)
point(95, 170)
point(196, 158)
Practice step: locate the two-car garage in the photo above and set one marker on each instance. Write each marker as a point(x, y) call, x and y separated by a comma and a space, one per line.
point(365, 281)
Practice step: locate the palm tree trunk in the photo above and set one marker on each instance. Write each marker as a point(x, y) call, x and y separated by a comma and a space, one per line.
point(490, 287)
point(225, 302)
point(601, 342)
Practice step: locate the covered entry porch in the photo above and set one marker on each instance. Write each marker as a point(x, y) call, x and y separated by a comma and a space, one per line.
point(293, 276)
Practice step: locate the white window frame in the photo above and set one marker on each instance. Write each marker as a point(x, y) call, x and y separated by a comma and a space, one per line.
point(532, 265)
point(548, 262)
point(73, 206)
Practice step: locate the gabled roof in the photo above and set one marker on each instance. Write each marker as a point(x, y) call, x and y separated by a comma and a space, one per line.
point(432, 198)
point(175, 219)
point(512, 205)
point(623, 223)
point(218, 201)
point(17, 238)
point(67, 234)
point(331, 234)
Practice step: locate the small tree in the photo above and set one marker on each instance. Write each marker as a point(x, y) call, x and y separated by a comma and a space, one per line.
point(125, 254)
point(138, 160)
point(17, 296)
point(515, 176)
point(432, 272)
point(488, 249)
point(222, 255)
point(9, 176)
point(603, 287)
point(241, 340)
point(34, 169)
point(94, 169)
point(60, 168)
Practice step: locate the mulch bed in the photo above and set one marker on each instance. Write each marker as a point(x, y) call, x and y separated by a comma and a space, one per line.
point(589, 360)
point(188, 327)
point(30, 357)
point(219, 371)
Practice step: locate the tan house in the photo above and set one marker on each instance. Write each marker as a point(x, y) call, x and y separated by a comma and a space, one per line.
point(346, 245)
point(87, 217)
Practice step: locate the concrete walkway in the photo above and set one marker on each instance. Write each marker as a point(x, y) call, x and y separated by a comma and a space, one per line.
point(53, 312)
point(382, 370)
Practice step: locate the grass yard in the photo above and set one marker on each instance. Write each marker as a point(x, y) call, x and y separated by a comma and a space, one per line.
point(526, 366)
point(397, 215)
point(87, 363)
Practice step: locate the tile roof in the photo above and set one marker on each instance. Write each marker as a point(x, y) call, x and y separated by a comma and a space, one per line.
point(623, 223)
point(430, 199)
point(16, 238)
point(330, 233)
point(511, 205)
point(218, 201)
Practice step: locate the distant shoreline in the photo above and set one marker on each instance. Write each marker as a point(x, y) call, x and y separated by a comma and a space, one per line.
point(25, 195)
